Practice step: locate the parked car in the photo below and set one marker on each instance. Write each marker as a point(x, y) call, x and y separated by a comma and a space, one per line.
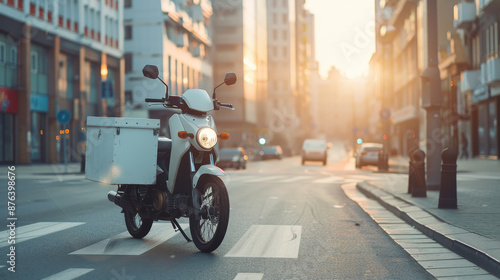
point(314, 150)
point(368, 154)
point(232, 158)
point(271, 152)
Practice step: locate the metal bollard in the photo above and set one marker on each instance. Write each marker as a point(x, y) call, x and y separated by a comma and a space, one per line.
point(411, 170)
point(82, 164)
point(418, 189)
point(448, 190)
point(383, 161)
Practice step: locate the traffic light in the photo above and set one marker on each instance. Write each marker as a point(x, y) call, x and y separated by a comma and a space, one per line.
point(385, 137)
point(359, 141)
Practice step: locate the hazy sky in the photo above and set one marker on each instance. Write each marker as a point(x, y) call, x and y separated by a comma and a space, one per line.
point(344, 34)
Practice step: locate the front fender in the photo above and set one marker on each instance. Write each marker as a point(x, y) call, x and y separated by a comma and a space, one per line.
point(209, 169)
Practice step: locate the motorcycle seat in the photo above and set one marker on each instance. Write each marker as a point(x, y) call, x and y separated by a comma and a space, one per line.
point(164, 144)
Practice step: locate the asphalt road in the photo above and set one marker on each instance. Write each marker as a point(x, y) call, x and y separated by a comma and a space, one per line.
point(287, 221)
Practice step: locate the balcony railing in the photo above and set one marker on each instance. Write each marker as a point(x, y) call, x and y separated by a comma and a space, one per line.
point(470, 80)
point(464, 14)
point(488, 6)
point(493, 71)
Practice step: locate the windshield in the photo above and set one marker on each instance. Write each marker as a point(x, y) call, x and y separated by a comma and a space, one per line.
point(315, 144)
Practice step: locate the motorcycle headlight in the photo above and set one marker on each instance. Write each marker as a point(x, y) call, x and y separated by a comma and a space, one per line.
point(206, 138)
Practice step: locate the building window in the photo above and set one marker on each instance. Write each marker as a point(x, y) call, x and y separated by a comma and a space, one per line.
point(128, 97)
point(3, 53)
point(70, 74)
point(128, 32)
point(128, 62)
point(127, 4)
point(495, 39)
point(34, 62)
point(275, 18)
point(285, 18)
point(169, 70)
point(275, 34)
point(285, 35)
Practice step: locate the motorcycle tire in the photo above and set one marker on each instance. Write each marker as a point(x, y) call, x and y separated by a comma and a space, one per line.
point(137, 227)
point(208, 232)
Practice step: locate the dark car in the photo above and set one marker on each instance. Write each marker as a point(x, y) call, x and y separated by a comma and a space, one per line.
point(271, 152)
point(368, 154)
point(232, 158)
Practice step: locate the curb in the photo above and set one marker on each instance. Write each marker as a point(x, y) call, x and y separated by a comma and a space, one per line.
point(437, 229)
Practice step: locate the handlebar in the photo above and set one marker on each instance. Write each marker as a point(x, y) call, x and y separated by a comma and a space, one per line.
point(226, 105)
point(154, 100)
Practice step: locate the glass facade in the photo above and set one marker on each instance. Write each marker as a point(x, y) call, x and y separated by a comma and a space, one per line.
point(492, 128)
point(8, 62)
point(38, 135)
point(9, 57)
point(7, 138)
point(487, 129)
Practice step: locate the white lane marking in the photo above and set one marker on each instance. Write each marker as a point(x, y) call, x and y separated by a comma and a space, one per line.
point(69, 274)
point(268, 241)
point(124, 244)
point(238, 178)
point(28, 232)
point(293, 179)
point(267, 178)
point(330, 179)
point(249, 276)
point(472, 176)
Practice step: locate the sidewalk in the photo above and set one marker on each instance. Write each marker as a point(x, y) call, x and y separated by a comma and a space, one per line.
point(472, 230)
point(46, 169)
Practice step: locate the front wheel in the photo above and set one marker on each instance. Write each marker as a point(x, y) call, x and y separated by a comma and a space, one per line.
point(137, 227)
point(209, 231)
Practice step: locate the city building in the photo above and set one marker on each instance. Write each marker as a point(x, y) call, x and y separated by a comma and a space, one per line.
point(57, 56)
point(281, 101)
point(304, 49)
point(477, 83)
point(401, 58)
point(238, 42)
point(175, 36)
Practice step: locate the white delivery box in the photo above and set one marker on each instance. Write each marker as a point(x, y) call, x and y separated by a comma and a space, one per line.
point(121, 150)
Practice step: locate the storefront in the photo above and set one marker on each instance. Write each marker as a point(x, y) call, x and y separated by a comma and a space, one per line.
point(39, 103)
point(8, 111)
point(485, 117)
point(8, 97)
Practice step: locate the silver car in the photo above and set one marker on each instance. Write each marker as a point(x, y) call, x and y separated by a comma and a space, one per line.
point(314, 150)
point(368, 154)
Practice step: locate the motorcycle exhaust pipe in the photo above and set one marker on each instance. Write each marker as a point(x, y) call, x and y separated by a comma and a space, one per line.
point(125, 204)
point(115, 198)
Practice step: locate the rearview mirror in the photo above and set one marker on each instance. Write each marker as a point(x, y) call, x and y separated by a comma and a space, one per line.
point(230, 79)
point(150, 71)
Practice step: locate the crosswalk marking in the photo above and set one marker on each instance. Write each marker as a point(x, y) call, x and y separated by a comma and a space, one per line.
point(268, 241)
point(124, 244)
point(69, 274)
point(249, 276)
point(28, 232)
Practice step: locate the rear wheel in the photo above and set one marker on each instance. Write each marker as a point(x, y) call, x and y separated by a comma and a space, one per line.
point(137, 227)
point(209, 231)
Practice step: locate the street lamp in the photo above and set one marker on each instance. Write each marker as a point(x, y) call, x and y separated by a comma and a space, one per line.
point(386, 33)
point(431, 98)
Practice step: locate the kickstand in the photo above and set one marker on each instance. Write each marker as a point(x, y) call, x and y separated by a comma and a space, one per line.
point(177, 227)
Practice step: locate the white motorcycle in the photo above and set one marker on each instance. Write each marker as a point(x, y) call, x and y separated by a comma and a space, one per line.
point(188, 184)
